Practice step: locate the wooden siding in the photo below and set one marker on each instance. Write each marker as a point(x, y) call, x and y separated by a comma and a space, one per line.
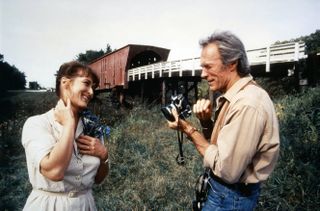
point(112, 68)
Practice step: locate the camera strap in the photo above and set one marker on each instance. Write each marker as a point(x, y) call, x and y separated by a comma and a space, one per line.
point(201, 190)
point(180, 157)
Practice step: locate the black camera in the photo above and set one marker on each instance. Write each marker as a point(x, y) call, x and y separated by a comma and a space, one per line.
point(182, 106)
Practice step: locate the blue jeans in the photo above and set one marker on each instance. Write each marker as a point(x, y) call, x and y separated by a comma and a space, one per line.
point(221, 197)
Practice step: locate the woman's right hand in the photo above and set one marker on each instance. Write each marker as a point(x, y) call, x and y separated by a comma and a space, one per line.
point(63, 113)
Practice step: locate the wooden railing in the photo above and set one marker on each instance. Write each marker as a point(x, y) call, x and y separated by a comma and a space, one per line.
point(281, 53)
point(184, 67)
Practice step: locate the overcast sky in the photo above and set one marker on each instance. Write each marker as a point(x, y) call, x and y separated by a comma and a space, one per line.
point(37, 36)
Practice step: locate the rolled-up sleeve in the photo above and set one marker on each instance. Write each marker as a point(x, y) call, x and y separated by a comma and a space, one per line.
point(37, 140)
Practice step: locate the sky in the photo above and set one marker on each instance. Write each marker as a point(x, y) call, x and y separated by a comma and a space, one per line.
point(38, 36)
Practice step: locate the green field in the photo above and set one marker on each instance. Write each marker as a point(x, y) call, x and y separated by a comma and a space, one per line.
point(144, 174)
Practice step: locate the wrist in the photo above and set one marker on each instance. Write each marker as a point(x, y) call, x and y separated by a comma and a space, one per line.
point(104, 157)
point(190, 130)
point(70, 123)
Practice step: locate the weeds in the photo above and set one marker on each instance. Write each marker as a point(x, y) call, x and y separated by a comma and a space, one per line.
point(144, 174)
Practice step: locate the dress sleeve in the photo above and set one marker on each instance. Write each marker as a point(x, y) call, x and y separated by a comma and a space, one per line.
point(37, 140)
point(236, 144)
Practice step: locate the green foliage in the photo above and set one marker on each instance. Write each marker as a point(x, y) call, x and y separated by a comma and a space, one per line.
point(34, 85)
point(278, 87)
point(203, 89)
point(295, 183)
point(91, 55)
point(10, 76)
point(144, 174)
point(312, 42)
point(14, 110)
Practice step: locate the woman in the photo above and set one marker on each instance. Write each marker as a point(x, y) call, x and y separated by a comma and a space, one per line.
point(63, 163)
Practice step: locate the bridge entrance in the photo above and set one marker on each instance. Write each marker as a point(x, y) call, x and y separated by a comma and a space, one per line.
point(161, 89)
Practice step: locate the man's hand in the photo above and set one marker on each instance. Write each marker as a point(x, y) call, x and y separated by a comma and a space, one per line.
point(174, 124)
point(178, 123)
point(203, 109)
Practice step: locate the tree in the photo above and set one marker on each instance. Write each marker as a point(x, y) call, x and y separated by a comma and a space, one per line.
point(91, 55)
point(312, 42)
point(34, 85)
point(10, 76)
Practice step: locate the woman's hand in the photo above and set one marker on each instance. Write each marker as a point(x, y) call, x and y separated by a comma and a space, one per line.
point(88, 145)
point(63, 113)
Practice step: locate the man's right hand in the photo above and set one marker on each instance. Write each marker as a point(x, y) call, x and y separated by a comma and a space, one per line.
point(203, 110)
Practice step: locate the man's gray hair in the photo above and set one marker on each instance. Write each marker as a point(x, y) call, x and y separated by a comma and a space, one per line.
point(231, 50)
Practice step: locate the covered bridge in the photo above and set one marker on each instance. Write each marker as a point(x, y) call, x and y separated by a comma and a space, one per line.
point(112, 68)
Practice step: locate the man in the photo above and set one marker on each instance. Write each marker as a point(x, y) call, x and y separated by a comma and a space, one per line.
point(241, 145)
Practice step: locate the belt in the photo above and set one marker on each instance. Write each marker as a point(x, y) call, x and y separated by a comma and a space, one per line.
point(243, 188)
point(70, 194)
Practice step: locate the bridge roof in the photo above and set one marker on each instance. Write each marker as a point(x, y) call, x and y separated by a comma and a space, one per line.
point(137, 48)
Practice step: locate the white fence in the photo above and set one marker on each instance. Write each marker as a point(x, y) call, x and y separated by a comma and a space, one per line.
point(281, 53)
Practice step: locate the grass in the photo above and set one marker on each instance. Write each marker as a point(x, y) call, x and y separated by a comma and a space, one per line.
point(144, 174)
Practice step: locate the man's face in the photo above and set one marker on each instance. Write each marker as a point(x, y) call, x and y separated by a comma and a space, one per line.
point(213, 70)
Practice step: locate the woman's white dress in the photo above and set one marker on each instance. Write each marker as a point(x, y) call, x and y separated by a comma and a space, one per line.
point(40, 134)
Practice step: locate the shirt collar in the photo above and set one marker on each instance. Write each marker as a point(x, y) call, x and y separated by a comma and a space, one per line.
point(236, 87)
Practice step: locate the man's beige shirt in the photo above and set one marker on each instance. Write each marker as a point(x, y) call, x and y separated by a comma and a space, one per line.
point(248, 143)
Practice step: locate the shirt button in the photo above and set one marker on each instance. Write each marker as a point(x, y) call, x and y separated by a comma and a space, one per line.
point(78, 177)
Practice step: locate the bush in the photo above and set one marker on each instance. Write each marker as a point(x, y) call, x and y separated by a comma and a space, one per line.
point(294, 184)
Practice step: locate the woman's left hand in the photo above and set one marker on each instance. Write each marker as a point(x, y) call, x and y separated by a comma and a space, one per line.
point(88, 145)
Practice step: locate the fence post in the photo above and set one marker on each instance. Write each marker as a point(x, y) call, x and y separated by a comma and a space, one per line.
point(268, 59)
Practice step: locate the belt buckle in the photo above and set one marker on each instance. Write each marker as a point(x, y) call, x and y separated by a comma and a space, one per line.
point(72, 194)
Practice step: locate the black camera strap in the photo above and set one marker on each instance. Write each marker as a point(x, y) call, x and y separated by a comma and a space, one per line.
point(180, 157)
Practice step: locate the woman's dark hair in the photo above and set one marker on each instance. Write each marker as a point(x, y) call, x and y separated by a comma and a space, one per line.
point(74, 69)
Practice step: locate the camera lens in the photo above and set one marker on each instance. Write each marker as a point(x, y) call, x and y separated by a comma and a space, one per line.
point(167, 112)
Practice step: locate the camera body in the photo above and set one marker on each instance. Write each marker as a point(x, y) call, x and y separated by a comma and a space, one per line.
point(182, 106)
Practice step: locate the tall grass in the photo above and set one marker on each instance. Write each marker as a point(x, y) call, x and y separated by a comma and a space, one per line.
point(14, 110)
point(144, 174)
point(295, 184)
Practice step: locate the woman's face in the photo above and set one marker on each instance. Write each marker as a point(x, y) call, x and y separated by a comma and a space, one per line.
point(79, 91)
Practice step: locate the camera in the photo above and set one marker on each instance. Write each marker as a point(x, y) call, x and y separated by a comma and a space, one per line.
point(182, 106)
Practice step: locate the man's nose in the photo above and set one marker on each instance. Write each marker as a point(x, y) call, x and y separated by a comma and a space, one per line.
point(204, 73)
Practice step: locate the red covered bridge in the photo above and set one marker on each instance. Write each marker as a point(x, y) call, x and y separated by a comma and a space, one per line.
point(112, 70)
